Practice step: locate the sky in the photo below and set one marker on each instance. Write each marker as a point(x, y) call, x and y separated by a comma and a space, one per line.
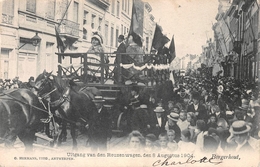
point(190, 21)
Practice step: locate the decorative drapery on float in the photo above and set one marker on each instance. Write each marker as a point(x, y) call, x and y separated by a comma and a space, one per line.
point(140, 68)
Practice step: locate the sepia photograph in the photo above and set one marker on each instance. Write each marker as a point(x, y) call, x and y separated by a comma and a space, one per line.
point(129, 83)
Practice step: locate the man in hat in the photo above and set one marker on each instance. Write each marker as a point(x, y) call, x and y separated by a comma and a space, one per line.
point(135, 100)
point(121, 49)
point(121, 58)
point(158, 121)
point(172, 124)
point(100, 126)
point(197, 108)
point(140, 119)
point(239, 134)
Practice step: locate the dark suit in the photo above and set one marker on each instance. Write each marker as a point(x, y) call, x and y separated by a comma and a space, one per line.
point(124, 60)
point(100, 130)
point(201, 110)
point(155, 128)
point(140, 120)
point(177, 130)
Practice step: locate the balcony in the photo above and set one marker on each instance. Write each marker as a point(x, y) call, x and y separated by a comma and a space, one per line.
point(7, 19)
point(101, 3)
point(69, 29)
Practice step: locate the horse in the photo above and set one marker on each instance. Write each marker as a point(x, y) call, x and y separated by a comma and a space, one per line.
point(20, 115)
point(73, 102)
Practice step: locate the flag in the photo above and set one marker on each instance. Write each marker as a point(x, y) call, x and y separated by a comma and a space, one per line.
point(159, 40)
point(136, 27)
point(60, 45)
point(192, 57)
point(172, 50)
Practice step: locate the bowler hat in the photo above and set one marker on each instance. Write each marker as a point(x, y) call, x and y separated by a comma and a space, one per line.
point(158, 109)
point(239, 127)
point(173, 116)
point(98, 99)
point(143, 106)
point(121, 37)
point(128, 82)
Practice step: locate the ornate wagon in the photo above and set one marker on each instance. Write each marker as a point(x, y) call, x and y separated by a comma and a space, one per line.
point(111, 77)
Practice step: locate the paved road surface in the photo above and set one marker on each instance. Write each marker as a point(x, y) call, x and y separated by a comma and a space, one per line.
point(116, 142)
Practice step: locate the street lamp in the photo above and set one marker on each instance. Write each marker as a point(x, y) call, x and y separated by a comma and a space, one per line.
point(34, 41)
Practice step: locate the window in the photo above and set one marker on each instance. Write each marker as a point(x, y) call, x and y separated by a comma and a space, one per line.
point(49, 61)
point(8, 11)
point(106, 32)
point(123, 4)
point(26, 44)
point(100, 24)
point(75, 11)
point(113, 7)
point(93, 17)
point(122, 29)
point(112, 36)
point(128, 6)
point(4, 63)
point(117, 9)
point(147, 43)
point(50, 14)
point(85, 17)
point(85, 22)
point(117, 34)
point(31, 6)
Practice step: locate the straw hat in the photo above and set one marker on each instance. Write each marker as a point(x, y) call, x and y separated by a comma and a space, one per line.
point(239, 127)
point(173, 116)
point(143, 106)
point(158, 109)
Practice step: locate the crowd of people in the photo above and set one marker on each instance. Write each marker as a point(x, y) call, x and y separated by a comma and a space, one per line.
point(6, 84)
point(195, 115)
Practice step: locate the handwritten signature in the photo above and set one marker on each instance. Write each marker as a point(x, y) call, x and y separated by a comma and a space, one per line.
point(190, 160)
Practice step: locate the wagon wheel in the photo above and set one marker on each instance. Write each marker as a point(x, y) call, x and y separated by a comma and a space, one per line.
point(122, 124)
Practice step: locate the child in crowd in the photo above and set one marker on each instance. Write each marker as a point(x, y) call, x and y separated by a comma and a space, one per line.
point(185, 144)
point(172, 144)
point(212, 121)
point(163, 141)
point(150, 143)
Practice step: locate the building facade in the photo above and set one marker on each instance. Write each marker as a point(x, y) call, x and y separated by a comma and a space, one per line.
point(236, 39)
point(75, 20)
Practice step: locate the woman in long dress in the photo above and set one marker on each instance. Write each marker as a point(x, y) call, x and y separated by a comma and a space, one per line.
point(136, 52)
point(96, 51)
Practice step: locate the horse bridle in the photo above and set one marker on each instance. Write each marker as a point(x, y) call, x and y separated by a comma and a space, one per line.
point(63, 96)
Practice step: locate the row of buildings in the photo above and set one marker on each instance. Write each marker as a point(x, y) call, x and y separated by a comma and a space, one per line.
point(235, 49)
point(23, 21)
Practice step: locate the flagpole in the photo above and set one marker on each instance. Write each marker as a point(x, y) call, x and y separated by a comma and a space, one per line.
point(223, 40)
point(230, 32)
point(64, 13)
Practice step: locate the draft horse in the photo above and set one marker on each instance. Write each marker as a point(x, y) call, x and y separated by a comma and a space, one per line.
point(73, 102)
point(20, 115)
